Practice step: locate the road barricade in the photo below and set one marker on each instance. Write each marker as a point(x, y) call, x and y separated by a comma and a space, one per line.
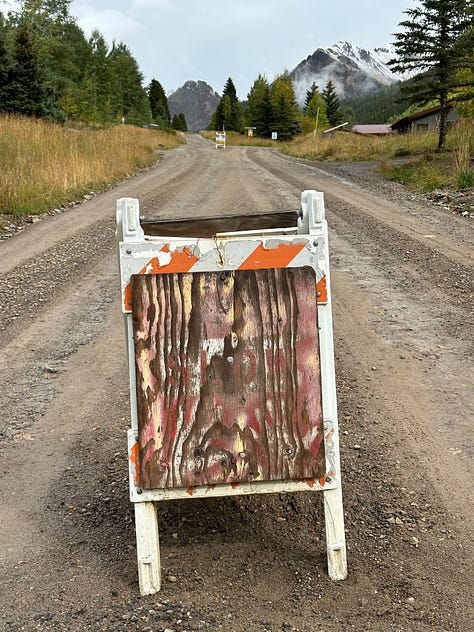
point(220, 139)
point(230, 346)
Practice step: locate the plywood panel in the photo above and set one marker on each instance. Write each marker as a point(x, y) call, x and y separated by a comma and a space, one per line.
point(228, 377)
point(210, 226)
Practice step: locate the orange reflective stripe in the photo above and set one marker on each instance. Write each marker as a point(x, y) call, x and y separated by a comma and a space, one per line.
point(278, 257)
point(135, 458)
point(322, 290)
point(181, 261)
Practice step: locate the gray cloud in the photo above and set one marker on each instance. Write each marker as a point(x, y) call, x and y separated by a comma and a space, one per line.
point(177, 40)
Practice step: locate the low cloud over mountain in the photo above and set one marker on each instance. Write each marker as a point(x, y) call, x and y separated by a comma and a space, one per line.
point(353, 70)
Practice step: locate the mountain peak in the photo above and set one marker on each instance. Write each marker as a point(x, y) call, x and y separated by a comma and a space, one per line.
point(355, 71)
point(197, 100)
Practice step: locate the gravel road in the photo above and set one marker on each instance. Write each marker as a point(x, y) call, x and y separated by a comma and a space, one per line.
point(402, 283)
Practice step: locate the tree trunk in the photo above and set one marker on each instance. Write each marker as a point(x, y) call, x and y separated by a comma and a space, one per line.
point(443, 122)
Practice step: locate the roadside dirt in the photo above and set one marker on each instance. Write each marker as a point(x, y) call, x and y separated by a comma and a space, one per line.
point(402, 282)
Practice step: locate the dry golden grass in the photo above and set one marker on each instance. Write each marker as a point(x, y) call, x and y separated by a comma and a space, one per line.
point(345, 146)
point(43, 165)
point(408, 158)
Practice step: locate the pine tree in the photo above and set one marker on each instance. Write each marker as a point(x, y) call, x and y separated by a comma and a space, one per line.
point(72, 76)
point(158, 103)
point(98, 82)
point(5, 69)
point(48, 23)
point(330, 98)
point(429, 43)
point(285, 112)
point(26, 85)
point(228, 113)
point(179, 122)
point(259, 112)
point(182, 122)
point(309, 95)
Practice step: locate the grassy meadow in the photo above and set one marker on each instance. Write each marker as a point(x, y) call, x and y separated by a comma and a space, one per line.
point(45, 165)
point(408, 158)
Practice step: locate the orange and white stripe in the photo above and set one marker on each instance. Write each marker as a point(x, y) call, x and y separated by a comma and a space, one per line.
point(164, 256)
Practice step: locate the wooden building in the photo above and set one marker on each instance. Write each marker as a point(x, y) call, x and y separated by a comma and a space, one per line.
point(423, 121)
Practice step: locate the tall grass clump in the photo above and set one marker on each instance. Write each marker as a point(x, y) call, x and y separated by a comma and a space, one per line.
point(463, 171)
point(43, 165)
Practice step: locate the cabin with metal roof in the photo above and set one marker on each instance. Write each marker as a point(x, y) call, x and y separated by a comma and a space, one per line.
point(423, 121)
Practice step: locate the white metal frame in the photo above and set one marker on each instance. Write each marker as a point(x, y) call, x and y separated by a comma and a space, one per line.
point(139, 253)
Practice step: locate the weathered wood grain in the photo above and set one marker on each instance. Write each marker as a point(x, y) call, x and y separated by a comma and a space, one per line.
point(228, 377)
point(210, 226)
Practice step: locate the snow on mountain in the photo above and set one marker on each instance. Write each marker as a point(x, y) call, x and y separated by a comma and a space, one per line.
point(354, 71)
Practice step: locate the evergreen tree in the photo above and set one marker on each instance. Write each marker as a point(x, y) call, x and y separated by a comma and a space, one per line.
point(223, 114)
point(285, 112)
point(98, 80)
point(158, 104)
point(5, 69)
point(312, 90)
point(182, 122)
point(234, 122)
point(333, 110)
point(377, 107)
point(47, 22)
point(429, 42)
point(228, 113)
point(179, 122)
point(26, 85)
point(129, 99)
point(316, 112)
point(264, 114)
point(463, 93)
point(259, 107)
point(348, 115)
point(72, 76)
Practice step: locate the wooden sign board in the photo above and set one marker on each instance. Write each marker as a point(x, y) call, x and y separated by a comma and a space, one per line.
point(227, 377)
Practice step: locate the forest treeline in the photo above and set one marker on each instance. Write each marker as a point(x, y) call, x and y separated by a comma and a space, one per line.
point(50, 69)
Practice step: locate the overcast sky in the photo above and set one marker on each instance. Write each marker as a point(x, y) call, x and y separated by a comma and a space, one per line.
point(177, 40)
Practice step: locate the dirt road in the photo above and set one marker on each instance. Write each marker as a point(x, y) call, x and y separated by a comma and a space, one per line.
point(403, 319)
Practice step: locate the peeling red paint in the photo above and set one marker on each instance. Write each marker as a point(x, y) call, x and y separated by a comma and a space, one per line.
point(228, 377)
